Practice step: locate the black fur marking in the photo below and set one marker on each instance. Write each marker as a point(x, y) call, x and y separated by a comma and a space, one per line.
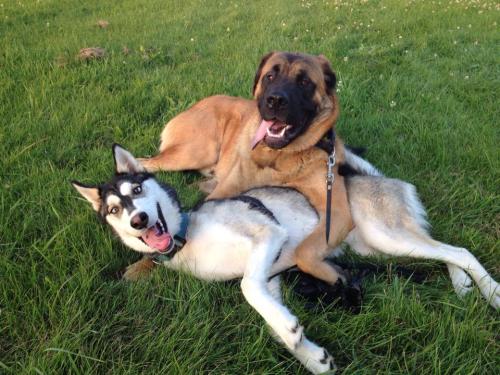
point(285, 188)
point(255, 204)
point(347, 171)
point(277, 256)
point(127, 203)
point(360, 151)
point(161, 217)
point(325, 357)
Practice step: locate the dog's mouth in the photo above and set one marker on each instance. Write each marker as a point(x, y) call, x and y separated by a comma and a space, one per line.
point(271, 130)
point(157, 236)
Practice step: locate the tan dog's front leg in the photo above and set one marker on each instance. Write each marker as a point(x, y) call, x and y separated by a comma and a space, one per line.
point(225, 191)
point(179, 157)
point(139, 270)
point(310, 255)
point(228, 187)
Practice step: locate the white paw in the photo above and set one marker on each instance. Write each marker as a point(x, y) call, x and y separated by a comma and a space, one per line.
point(491, 291)
point(320, 363)
point(292, 334)
point(462, 283)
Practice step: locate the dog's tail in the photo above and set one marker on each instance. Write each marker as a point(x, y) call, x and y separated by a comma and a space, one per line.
point(355, 165)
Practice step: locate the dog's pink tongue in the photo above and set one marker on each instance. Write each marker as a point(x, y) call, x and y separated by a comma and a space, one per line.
point(155, 240)
point(261, 132)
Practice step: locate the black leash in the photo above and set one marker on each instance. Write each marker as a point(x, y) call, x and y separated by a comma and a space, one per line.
point(330, 179)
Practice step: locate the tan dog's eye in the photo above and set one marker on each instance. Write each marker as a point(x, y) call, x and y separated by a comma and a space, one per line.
point(270, 76)
point(305, 81)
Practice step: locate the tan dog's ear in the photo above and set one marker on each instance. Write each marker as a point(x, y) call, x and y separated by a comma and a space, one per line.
point(259, 71)
point(90, 193)
point(330, 77)
point(125, 161)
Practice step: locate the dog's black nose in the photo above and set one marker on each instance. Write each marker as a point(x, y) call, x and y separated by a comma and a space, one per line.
point(139, 221)
point(277, 100)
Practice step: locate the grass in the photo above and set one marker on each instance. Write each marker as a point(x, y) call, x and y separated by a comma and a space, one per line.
point(418, 86)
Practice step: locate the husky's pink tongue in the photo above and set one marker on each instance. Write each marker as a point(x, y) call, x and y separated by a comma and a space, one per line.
point(261, 132)
point(157, 241)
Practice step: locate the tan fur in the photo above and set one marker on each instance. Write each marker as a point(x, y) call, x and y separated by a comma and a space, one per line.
point(139, 269)
point(215, 136)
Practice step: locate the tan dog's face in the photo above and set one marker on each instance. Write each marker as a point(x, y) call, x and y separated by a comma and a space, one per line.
point(291, 89)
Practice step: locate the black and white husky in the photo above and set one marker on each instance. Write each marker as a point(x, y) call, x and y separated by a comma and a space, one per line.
point(253, 237)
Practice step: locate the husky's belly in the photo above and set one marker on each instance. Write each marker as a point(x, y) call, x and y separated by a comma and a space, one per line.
point(214, 252)
point(222, 234)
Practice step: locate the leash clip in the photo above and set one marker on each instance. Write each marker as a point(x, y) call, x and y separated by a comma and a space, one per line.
point(329, 171)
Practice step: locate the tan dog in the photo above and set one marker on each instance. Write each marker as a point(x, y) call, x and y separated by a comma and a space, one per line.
point(267, 141)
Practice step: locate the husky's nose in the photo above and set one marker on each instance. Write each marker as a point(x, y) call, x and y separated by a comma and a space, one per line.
point(139, 221)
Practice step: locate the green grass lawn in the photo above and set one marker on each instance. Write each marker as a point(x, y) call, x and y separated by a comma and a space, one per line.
point(418, 86)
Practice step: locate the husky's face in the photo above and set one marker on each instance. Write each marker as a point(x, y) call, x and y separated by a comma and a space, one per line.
point(142, 211)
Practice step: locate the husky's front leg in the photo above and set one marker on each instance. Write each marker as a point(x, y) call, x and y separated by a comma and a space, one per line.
point(285, 325)
point(315, 358)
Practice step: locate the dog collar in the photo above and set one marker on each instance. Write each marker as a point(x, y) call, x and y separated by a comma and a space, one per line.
point(179, 241)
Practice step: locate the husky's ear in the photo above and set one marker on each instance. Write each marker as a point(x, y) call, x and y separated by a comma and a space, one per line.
point(125, 161)
point(90, 193)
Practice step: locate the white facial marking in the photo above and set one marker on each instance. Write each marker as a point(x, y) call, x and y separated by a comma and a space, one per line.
point(125, 188)
point(113, 200)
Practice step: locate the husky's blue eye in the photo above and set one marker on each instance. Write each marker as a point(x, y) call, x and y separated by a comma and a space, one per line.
point(113, 210)
point(137, 190)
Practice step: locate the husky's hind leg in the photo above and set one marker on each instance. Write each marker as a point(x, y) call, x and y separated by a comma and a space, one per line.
point(408, 244)
point(462, 283)
point(390, 218)
point(263, 297)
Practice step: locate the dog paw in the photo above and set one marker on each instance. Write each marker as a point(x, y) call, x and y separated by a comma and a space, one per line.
point(462, 283)
point(321, 363)
point(491, 292)
point(138, 270)
point(131, 274)
point(352, 298)
point(208, 185)
point(292, 334)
